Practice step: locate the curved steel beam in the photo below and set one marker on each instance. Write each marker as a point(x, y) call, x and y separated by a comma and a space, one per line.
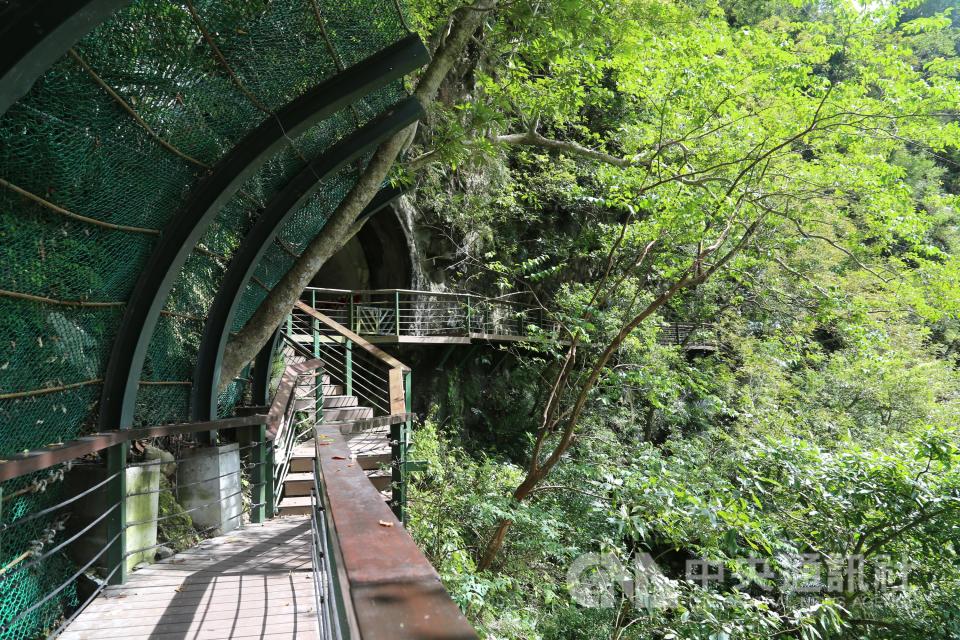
point(284, 204)
point(36, 33)
point(262, 364)
point(261, 371)
point(384, 198)
point(118, 401)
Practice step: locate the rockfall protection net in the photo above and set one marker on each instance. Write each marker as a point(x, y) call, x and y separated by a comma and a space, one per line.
point(94, 162)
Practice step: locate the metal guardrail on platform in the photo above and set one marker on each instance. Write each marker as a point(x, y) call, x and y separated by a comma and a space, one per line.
point(380, 382)
point(411, 313)
point(86, 525)
point(408, 315)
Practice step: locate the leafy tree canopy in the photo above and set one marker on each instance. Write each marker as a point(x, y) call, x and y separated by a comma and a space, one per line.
point(786, 172)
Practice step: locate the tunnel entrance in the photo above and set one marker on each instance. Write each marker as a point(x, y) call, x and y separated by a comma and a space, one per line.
point(376, 258)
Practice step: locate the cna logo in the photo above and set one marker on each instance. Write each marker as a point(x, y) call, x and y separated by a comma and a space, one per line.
point(600, 580)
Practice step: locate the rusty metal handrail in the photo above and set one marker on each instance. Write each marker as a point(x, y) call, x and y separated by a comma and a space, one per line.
point(385, 587)
point(21, 464)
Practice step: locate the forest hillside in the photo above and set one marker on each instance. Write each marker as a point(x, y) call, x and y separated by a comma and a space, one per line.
point(781, 180)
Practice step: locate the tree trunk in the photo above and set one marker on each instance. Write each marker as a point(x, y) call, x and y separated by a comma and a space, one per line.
point(495, 542)
point(538, 471)
point(280, 300)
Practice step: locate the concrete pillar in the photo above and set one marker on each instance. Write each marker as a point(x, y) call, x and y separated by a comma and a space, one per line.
point(208, 486)
point(142, 506)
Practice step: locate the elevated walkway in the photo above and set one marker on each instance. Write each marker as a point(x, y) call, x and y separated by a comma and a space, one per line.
point(411, 317)
point(407, 316)
point(255, 582)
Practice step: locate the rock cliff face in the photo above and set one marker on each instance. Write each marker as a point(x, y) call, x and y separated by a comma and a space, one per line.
point(396, 249)
point(428, 252)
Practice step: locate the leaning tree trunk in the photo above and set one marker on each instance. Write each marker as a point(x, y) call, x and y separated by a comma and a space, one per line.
point(257, 331)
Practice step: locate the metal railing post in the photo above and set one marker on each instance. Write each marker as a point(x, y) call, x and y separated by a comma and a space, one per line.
point(257, 438)
point(469, 315)
point(351, 317)
point(117, 520)
point(290, 324)
point(396, 312)
point(405, 444)
point(348, 367)
point(399, 443)
point(396, 470)
point(315, 326)
point(270, 496)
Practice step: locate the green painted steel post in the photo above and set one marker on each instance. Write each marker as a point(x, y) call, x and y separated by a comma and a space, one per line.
point(469, 315)
point(407, 436)
point(270, 497)
point(348, 367)
point(317, 377)
point(290, 325)
point(257, 438)
point(399, 444)
point(315, 325)
point(396, 312)
point(117, 520)
point(396, 470)
point(354, 326)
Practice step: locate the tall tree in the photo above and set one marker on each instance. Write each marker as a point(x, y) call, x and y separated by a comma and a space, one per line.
point(245, 344)
point(716, 141)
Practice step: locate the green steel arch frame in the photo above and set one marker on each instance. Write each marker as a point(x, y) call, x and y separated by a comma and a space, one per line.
point(216, 331)
point(262, 366)
point(284, 204)
point(37, 33)
point(121, 379)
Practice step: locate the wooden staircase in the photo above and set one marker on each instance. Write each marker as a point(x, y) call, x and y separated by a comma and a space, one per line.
point(370, 449)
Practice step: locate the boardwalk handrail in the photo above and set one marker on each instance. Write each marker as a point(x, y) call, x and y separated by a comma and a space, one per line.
point(381, 381)
point(93, 531)
point(430, 315)
point(326, 334)
point(384, 584)
point(293, 413)
point(447, 294)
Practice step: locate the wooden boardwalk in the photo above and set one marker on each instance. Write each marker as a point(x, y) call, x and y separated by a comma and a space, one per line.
point(255, 582)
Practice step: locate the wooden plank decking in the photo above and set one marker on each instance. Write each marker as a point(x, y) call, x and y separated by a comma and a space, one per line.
point(255, 582)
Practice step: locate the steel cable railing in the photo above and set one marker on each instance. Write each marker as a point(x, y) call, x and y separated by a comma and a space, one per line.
point(68, 526)
point(378, 380)
point(246, 492)
point(411, 313)
point(327, 593)
point(296, 407)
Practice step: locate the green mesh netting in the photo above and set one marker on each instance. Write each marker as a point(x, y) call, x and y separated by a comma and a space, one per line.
point(173, 348)
point(88, 183)
point(22, 586)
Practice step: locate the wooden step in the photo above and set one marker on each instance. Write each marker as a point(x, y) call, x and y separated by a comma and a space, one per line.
point(375, 461)
point(296, 506)
point(325, 379)
point(297, 484)
point(346, 414)
point(339, 402)
point(305, 404)
point(380, 479)
point(301, 464)
point(333, 389)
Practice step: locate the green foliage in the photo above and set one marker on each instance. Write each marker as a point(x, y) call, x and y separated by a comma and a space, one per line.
point(175, 526)
point(803, 157)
